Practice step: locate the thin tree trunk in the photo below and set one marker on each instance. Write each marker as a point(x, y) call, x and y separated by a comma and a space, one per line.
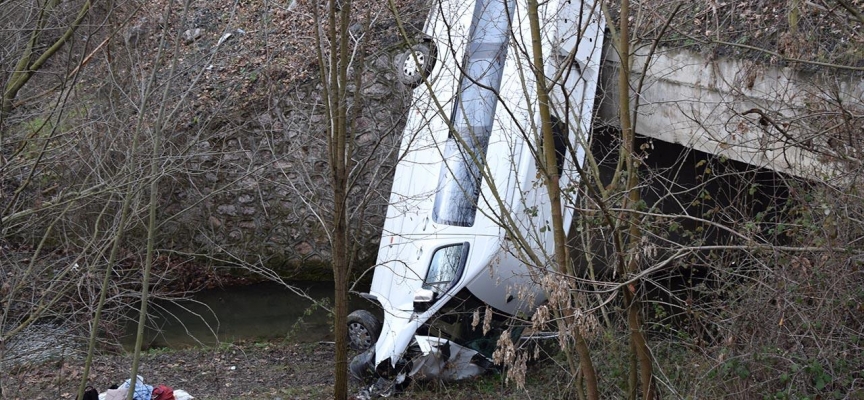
point(340, 154)
point(637, 338)
point(155, 162)
point(340, 320)
point(554, 191)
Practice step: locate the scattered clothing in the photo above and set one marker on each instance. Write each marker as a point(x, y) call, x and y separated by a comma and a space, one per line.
point(182, 395)
point(144, 392)
point(90, 393)
point(114, 394)
point(141, 391)
point(163, 392)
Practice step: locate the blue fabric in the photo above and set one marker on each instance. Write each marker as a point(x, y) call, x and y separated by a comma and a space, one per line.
point(142, 391)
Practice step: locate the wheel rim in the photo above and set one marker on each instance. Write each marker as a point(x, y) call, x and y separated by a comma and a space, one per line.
point(360, 336)
point(409, 67)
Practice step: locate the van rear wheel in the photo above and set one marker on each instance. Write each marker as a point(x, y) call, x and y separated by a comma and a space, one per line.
point(363, 330)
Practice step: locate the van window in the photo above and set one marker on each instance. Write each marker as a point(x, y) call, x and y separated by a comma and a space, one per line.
point(473, 114)
point(446, 267)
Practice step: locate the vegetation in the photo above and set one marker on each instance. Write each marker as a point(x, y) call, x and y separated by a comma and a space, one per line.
point(143, 144)
point(682, 255)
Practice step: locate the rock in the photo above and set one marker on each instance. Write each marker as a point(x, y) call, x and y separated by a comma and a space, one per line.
point(215, 223)
point(383, 62)
point(227, 209)
point(192, 35)
point(265, 119)
point(365, 138)
point(248, 183)
point(38, 343)
point(376, 91)
point(362, 123)
point(303, 248)
point(134, 34)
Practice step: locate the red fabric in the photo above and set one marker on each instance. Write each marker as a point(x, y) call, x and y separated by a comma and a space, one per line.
point(163, 392)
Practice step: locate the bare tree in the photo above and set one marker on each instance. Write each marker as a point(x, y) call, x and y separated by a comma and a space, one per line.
point(74, 187)
point(342, 42)
point(693, 270)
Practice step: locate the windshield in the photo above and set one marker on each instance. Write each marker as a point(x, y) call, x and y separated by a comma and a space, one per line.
point(473, 114)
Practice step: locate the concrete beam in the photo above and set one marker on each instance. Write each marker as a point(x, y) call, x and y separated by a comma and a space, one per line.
point(703, 103)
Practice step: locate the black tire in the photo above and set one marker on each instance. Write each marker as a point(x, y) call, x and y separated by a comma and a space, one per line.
point(415, 64)
point(363, 330)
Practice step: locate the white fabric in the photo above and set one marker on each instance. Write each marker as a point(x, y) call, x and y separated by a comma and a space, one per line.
point(178, 395)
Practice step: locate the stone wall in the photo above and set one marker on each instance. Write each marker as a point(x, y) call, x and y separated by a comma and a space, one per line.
point(259, 195)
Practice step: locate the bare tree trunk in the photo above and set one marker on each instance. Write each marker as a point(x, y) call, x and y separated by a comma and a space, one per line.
point(631, 302)
point(155, 164)
point(340, 311)
point(554, 191)
point(334, 78)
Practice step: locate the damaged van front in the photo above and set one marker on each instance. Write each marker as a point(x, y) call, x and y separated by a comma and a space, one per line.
point(435, 326)
point(450, 273)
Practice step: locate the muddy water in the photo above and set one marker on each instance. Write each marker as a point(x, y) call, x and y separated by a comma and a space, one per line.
point(255, 312)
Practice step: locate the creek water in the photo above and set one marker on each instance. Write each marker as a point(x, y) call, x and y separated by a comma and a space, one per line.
point(255, 312)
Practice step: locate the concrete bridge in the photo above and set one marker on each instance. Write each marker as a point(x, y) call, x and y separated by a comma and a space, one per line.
point(768, 116)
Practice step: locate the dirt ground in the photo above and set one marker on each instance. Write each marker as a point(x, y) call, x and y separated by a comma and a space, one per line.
point(243, 371)
point(262, 370)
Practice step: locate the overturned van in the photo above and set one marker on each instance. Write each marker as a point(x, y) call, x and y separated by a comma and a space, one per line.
point(467, 180)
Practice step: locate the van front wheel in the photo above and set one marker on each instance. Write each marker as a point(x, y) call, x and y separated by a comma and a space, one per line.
point(415, 64)
point(363, 330)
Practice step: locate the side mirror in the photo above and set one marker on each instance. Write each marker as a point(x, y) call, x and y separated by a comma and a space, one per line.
point(423, 298)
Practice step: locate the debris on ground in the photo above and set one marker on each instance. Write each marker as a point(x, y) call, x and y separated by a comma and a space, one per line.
point(143, 391)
